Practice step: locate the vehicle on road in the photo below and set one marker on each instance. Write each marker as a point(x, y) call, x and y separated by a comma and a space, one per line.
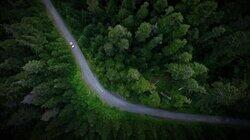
point(72, 44)
point(122, 104)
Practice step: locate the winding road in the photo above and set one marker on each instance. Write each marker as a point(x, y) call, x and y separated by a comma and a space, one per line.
point(110, 99)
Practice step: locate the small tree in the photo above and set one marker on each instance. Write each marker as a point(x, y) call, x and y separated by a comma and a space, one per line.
point(143, 32)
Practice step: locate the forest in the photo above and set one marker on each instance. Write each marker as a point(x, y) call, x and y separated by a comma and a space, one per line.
point(188, 56)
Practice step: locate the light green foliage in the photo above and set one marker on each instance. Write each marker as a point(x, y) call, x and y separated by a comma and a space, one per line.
point(153, 100)
point(181, 31)
point(108, 48)
point(34, 67)
point(155, 41)
point(193, 86)
point(184, 57)
point(119, 37)
point(180, 100)
point(175, 46)
point(199, 68)
point(143, 32)
point(169, 10)
point(117, 33)
point(112, 75)
point(142, 85)
point(124, 44)
point(180, 71)
point(133, 74)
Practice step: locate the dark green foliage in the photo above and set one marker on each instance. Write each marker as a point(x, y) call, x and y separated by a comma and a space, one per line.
point(162, 43)
point(192, 56)
point(143, 32)
point(219, 36)
point(160, 6)
point(147, 43)
point(34, 85)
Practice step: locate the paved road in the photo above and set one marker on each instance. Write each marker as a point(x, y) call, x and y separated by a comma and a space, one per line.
point(110, 99)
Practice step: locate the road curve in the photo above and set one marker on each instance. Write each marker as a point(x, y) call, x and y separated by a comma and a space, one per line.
point(110, 99)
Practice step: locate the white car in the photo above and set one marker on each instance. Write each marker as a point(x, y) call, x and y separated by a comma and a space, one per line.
point(72, 44)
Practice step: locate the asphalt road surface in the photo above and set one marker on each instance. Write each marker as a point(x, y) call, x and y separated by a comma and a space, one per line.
point(115, 101)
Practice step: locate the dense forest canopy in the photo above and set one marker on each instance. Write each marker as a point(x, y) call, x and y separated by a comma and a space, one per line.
point(186, 55)
point(179, 55)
